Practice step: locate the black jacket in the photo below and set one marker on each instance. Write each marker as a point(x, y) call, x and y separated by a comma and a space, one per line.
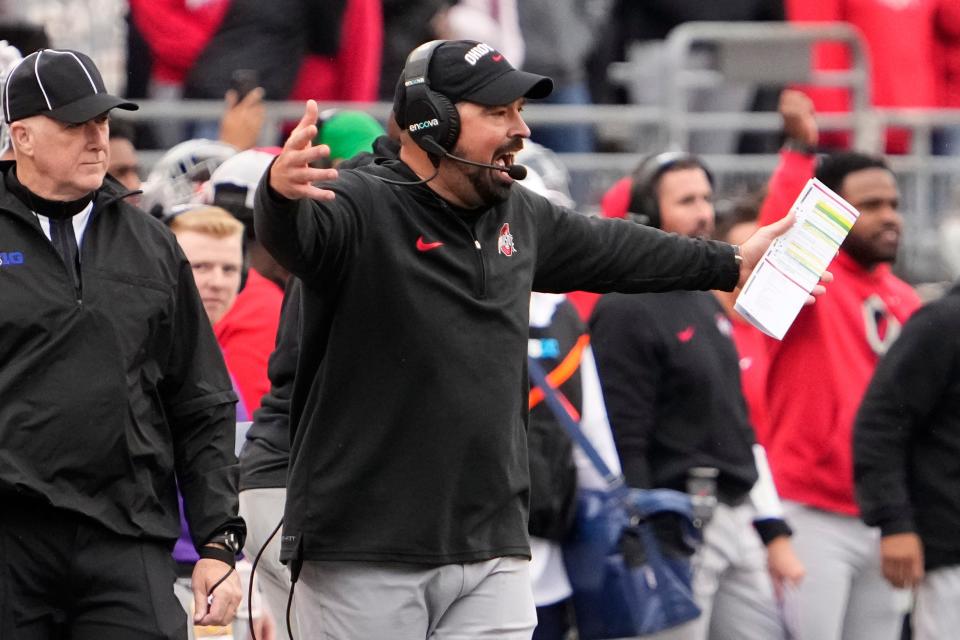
point(671, 380)
point(266, 453)
point(409, 406)
point(106, 399)
point(906, 439)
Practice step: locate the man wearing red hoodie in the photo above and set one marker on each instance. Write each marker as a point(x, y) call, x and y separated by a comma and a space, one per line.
point(817, 377)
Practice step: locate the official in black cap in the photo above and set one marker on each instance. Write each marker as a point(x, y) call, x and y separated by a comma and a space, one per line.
point(113, 392)
point(407, 492)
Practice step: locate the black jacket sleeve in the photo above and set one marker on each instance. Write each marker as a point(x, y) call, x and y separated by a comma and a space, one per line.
point(630, 363)
point(310, 238)
point(578, 252)
point(199, 404)
point(906, 386)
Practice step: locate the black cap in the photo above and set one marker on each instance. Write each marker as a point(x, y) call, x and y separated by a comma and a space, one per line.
point(476, 72)
point(64, 85)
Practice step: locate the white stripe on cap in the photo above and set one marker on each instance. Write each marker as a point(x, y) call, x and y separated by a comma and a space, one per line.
point(6, 89)
point(36, 74)
point(87, 73)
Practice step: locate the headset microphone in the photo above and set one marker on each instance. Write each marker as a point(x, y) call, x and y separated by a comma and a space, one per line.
point(515, 171)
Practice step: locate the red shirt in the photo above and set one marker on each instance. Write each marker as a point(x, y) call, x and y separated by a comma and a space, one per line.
point(754, 366)
point(820, 370)
point(354, 74)
point(176, 33)
point(247, 335)
point(901, 40)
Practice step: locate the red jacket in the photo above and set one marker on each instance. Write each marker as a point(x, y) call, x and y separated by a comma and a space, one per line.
point(175, 33)
point(754, 366)
point(901, 38)
point(819, 372)
point(354, 74)
point(247, 334)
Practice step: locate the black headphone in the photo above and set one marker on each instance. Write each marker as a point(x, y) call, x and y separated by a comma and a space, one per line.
point(644, 206)
point(426, 113)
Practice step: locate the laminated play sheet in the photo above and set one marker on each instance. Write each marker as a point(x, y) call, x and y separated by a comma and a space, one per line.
point(793, 263)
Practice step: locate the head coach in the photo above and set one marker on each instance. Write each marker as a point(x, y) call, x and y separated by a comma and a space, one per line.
point(406, 510)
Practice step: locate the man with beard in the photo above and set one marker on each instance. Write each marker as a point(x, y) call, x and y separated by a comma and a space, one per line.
point(817, 377)
point(406, 502)
point(671, 380)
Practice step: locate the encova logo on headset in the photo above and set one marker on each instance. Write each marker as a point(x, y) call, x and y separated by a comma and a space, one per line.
point(426, 124)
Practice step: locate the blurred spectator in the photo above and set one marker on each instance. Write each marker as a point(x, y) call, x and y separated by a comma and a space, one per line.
point(559, 36)
point(172, 33)
point(24, 36)
point(906, 449)
point(349, 71)
point(406, 25)
point(9, 57)
point(247, 333)
point(492, 21)
point(946, 141)
point(124, 165)
point(816, 380)
point(96, 27)
point(347, 133)
point(901, 39)
point(670, 376)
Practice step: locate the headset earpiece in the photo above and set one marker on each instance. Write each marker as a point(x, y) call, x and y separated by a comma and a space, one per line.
point(426, 112)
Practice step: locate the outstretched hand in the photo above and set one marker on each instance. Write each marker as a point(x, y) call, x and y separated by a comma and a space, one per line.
point(291, 174)
point(753, 249)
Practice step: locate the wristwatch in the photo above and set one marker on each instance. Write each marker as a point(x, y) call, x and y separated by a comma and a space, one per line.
point(737, 256)
point(223, 546)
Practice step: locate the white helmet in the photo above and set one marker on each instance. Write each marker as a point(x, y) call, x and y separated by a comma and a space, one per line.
point(552, 172)
point(177, 177)
point(233, 184)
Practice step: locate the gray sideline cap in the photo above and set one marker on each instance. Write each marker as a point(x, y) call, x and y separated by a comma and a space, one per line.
point(63, 85)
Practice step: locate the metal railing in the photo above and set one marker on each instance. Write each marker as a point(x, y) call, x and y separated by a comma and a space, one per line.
point(746, 52)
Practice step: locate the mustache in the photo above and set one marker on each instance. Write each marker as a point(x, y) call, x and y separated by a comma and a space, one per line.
point(514, 146)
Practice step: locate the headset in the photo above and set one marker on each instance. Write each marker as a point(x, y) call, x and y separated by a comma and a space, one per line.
point(644, 206)
point(427, 115)
point(431, 118)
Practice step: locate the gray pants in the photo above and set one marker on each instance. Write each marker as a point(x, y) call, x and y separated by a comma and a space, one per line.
point(262, 509)
point(936, 614)
point(374, 600)
point(731, 583)
point(844, 594)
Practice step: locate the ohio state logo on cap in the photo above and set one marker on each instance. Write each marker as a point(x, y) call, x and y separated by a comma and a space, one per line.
point(505, 241)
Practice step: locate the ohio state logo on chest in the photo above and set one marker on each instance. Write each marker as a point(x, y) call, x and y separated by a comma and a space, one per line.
point(881, 326)
point(505, 241)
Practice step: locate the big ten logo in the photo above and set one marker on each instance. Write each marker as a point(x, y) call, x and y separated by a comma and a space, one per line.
point(10, 258)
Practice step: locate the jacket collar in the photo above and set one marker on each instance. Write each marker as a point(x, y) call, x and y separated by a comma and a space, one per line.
point(109, 192)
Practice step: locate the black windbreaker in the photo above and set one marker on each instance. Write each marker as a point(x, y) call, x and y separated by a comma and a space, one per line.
point(105, 399)
point(906, 438)
point(410, 400)
point(671, 381)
